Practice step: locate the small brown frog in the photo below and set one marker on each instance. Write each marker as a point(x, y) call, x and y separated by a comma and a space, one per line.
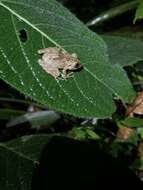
point(58, 62)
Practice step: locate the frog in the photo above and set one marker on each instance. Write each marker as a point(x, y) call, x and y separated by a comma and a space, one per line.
point(59, 63)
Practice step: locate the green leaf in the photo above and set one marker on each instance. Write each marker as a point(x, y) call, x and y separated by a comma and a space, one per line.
point(139, 13)
point(18, 158)
point(92, 134)
point(47, 23)
point(124, 51)
point(83, 133)
point(132, 122)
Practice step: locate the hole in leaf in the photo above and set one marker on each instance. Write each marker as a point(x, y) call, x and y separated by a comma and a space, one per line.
point(23, 35)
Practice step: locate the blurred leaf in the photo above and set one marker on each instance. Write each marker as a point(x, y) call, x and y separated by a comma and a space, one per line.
point(132, 122)
point(141, 132)
point(124, 51)
point(118, 148)
point(139, 12)
point(133, 138)
point(92, 134)
point(18, 158)
point(77, 133)
point(137, 106)
point(137, 164)
point(36, 119)
point(48, 23)
point(83, 133)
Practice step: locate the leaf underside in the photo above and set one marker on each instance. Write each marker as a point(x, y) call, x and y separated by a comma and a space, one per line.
point(48, 24)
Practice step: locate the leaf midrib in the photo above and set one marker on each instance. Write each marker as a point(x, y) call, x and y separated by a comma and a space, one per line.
point(55, 43)
point(27, 22)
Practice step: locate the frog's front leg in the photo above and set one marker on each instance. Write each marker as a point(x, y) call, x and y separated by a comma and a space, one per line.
point(66, 74)
point(42, 51)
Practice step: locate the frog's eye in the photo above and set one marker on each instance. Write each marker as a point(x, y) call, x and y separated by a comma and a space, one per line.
point(77, 65)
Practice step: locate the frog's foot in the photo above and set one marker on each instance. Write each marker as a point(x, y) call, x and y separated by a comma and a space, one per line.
point(65, 76)
point(60, 76)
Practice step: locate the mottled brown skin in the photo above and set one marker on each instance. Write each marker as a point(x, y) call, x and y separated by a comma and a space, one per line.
point(58, 62)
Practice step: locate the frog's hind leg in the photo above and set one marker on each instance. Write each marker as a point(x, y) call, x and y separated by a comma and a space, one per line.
point(54, 72)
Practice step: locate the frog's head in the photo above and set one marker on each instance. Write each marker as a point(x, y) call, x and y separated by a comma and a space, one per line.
point(74, 64)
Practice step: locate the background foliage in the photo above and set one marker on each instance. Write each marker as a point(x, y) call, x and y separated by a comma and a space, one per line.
point(35, 106)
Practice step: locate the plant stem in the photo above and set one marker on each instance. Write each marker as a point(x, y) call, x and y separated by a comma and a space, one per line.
point(111, 13)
